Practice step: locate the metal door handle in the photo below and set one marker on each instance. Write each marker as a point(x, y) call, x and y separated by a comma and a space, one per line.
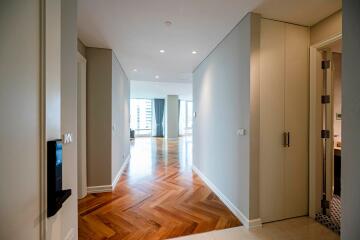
point(285, 139)
point(288, 139)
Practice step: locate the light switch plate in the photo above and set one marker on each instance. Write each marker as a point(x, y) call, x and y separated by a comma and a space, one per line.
point(68, 138)
point(241, 132)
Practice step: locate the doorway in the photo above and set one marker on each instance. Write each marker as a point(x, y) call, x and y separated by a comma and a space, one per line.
point(325, 132)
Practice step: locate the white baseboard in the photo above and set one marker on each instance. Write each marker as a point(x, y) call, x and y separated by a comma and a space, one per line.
point(254, 223)
point(110, 188)
point(99, 189)
point(120, 172)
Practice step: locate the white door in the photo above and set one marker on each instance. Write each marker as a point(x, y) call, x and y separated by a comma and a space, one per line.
point(284, 103)
point(272, 120)
point(296, 163)
point(82, 181)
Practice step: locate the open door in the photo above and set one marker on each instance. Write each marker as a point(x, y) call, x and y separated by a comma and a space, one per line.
point(326, 164)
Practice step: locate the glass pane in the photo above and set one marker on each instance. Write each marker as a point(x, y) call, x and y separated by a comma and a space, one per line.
point(182, 118)
point(189, 115)
point(141, 116)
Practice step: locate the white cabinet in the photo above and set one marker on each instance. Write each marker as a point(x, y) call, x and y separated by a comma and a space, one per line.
point(284, 108)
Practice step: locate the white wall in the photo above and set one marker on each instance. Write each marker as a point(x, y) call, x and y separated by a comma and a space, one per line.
point(108, 116)
point(69, 114)
point(53, 94)
point(19, 120)
point(98, 116)
point(172, 116)
point(350, 164)
point(151, 90)
point(62, 97)
point(126, 116)
point(53, 75)
point(120, 117)
point(326, 28)
point(221, 97)
point(20, 114)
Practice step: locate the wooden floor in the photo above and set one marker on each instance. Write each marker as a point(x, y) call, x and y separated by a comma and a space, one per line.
point(157, 197)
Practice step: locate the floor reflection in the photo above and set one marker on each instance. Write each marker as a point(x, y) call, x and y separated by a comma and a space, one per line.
point(157, 197)
point(148, 154)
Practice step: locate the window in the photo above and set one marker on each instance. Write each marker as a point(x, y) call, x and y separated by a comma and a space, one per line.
point(186, 117)
point(141, 116)
point(189, 114)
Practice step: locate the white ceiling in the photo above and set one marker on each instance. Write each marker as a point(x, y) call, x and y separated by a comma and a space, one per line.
point(135, 29)
point(303, 12)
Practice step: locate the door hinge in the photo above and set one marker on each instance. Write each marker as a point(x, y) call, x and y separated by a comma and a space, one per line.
point(286, 139)
point(325, 64)
point(325, 204)
point(325, 99)
point(325, 134)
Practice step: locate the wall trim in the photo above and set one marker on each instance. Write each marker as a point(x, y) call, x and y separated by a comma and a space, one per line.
point(42, 120)
point(120, 172)
point(110, 188)
point(314, 172)
point(99, 189)
point(249, 224)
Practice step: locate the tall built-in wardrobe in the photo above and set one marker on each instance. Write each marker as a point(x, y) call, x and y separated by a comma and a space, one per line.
point(284, 120)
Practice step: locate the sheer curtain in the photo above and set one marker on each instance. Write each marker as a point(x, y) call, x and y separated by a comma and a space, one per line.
point(182, 118)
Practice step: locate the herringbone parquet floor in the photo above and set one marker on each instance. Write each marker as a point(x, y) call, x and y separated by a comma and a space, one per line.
point(157, 197)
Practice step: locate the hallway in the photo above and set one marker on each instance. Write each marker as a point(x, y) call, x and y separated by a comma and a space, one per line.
point(157, 197)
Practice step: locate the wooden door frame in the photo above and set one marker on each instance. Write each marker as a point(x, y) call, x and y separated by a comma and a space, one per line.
point(82, 170)
point(314, 131)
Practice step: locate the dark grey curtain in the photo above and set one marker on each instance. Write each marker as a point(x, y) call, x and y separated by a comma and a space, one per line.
point(159, 105)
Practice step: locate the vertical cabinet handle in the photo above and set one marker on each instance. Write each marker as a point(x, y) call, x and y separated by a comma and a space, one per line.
point(286, 139)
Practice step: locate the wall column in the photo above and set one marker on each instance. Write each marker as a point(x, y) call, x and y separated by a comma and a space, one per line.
point(172, 116)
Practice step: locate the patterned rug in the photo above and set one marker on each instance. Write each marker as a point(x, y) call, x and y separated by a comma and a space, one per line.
point(333, 220)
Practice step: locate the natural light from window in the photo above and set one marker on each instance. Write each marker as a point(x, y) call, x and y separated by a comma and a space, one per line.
point(186, 118)
point(141, 116)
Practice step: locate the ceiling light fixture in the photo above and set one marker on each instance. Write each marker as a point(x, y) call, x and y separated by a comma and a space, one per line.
point(135, 70)
point(162, 51)
point(157, 76)
point(194, 52)
point(168, 23)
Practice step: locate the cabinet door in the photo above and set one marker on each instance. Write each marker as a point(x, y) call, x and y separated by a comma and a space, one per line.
point(272, 153)
point(296, 165)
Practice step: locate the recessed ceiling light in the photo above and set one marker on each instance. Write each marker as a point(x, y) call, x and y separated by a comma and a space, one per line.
point(157, 76)
point(162, 51)
point(194, 52)
point(135, 70)
point(168, 23)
